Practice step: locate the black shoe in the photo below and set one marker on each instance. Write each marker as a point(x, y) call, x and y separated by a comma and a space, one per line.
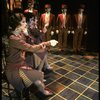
point(47, 71)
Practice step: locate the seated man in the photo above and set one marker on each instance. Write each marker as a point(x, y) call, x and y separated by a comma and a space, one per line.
point(39, 60)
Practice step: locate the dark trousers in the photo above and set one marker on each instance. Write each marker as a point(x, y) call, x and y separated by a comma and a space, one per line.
point(62, 38)
point(77, 39)
point(47, 35)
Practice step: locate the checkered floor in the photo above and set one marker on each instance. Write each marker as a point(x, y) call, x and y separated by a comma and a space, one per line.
point(73, 78)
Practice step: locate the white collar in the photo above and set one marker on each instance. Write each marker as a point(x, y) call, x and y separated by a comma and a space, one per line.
point(47, 13)
point(64, 13)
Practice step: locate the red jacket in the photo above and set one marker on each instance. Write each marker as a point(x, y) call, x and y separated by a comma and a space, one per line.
point(51, 21)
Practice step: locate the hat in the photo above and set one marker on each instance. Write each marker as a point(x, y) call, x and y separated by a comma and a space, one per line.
point(82, 6)
point(29, 4)
point(64, 6)
point(31, 1)
point(17, 10)
point(47, 6)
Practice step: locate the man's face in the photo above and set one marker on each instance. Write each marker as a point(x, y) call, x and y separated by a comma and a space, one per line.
point(64, 10)
point(81, 10)
point(31, 6)
point(47, 9)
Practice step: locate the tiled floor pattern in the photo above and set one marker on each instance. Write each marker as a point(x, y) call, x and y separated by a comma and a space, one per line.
point(74, 78)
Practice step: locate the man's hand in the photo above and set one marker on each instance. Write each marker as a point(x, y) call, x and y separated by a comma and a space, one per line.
point(46, 43)
point(57, 31)
point(43, 46)
point(68, 32)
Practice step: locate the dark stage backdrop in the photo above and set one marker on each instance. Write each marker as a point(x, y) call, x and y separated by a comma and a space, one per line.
point(92, 10)
point(93, 25)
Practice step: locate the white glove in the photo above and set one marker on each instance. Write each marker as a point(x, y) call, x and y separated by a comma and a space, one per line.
point(72, 32)
point(52, 32)
point(57, 31)
point(53, 42)
point(68, 32)
point(85, 32)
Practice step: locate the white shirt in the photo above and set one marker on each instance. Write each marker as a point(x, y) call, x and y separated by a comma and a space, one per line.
point(80, 18)
point(47, 18)
point(30, 10)
point(64, 20)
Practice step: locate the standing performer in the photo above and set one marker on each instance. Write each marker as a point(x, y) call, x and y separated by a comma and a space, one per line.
point(35, 37)
point(63, 25)
point(47, 21)
point(79, 25)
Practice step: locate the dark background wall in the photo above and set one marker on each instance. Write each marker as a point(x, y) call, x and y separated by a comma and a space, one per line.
point(93, 25)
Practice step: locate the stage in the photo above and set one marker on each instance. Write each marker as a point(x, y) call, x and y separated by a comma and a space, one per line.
point(74, 77)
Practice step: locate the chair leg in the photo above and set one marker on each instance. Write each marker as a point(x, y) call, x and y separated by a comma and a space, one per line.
point(10, 97)
point(19, 95)
point(23, 95)
point(26, 94)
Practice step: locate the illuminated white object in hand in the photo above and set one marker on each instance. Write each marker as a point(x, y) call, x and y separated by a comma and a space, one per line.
point(52, 32)
point(53, 42)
